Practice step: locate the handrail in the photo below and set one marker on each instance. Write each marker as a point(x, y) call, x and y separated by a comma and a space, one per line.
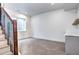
point(7, 14)
point(14, 46)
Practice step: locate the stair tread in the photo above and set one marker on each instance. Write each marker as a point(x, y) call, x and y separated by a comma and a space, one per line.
point(4, 50)
point(3, 44)
point(7, 53)
point(2, 35)
point(3, 39)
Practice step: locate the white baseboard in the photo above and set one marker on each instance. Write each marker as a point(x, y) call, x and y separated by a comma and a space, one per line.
point(52, 39)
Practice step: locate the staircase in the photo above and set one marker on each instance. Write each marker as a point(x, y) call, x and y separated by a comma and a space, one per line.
point(4, 48)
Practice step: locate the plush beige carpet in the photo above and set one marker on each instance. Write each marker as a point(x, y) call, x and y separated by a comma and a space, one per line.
point(4, 48)
point(3, 44)
point(5, 51)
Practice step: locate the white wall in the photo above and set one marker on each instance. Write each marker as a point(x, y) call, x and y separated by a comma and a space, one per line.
point(78, 12)
point(52, 25)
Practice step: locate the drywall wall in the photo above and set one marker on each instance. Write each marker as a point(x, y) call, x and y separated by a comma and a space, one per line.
point(52, 25)
point(78, 12)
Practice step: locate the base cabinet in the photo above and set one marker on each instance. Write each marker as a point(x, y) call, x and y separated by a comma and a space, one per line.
point(72, 45)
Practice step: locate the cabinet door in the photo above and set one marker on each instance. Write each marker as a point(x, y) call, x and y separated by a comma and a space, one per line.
point(72, 45)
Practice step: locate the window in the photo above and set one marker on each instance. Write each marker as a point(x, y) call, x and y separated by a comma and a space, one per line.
point(21, 24)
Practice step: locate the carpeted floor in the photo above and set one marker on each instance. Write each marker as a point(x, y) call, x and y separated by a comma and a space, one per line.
point(41, 47)
point(4, 48)
point(5, 51)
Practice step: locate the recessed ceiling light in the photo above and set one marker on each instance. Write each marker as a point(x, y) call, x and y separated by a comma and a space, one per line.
point(52, 3)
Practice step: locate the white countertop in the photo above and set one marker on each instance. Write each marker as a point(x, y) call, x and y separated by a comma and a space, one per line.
point(71, 34)
point(74, 31)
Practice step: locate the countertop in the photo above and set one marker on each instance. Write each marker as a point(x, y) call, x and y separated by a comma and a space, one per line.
point(71, 35)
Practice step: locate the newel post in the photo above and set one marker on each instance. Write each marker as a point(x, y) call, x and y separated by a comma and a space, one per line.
point(15, 39)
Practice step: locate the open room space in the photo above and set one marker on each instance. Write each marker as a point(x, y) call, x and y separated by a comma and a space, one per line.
point(34, 46)
point(39, 28)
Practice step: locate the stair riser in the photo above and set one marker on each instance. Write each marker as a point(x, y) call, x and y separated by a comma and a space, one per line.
point(6, 51)
point(2, 39)
point(0, 29)
point(0, 32)
point(3, 44)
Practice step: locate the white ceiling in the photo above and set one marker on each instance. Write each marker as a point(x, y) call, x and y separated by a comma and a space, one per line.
point(37, 8)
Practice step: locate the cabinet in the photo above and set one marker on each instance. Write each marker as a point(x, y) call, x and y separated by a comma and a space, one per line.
point(72, 45)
